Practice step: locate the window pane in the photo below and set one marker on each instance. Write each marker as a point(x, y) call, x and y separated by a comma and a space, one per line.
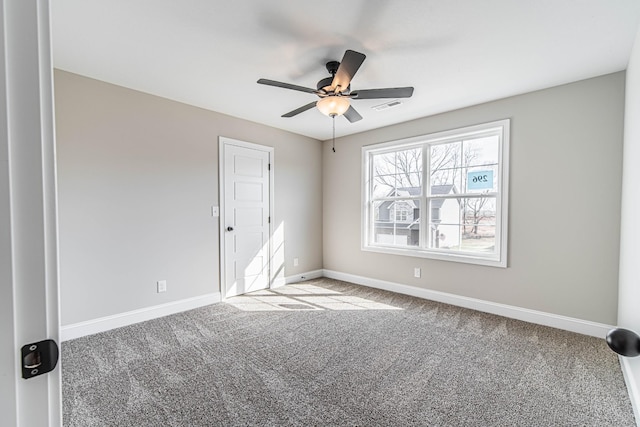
point(444, 223)
point(409, 161)
point(398, 162)
point(397, 174)
point(483, 242)
point(446, 164)
point(447, 177)
point(383, 186)
point(384, 164)
point(480, 151)
point(465, 224)
point(445, 156)
point(409, 184)
point(397, 222)
point(479, 225)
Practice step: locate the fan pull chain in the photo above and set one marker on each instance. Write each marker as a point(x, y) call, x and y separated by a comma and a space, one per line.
point(333, 118)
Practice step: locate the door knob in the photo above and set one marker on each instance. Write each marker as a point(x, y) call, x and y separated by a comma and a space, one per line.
point(229, 228)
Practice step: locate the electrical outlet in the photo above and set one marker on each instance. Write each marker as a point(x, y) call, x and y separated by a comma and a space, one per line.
point(416, 272)
point(162, 286)
point(215, 211)
point(295, 262)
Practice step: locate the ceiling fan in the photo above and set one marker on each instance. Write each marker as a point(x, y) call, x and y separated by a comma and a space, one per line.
point(335, 91)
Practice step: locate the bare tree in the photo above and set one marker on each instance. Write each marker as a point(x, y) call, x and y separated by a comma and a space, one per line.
point(444, 163)
point(474, 211)
point(399, 169)
point(403, 169)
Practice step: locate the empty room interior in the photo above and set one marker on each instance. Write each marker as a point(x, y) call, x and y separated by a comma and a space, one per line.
point(347, 213)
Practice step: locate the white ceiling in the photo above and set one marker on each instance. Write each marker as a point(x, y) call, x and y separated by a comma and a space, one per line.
point(210, 53)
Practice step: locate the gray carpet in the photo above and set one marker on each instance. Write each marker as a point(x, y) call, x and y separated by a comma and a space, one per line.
point(327, 353)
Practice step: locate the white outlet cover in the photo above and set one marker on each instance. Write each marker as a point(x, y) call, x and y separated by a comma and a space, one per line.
point(416, 272)
point(162, 286)
point(295, 262)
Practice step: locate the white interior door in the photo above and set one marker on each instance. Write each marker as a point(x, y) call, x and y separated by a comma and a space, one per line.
point(28, 225)
point(245, 223)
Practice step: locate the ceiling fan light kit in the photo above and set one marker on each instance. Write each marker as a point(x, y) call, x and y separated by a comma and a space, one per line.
point(333, 105)
point(335, 91)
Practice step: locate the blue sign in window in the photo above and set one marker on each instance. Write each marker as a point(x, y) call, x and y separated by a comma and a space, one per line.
point(479, 180)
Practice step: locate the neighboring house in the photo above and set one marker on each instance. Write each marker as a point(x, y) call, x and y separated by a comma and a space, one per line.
point(445, 218)
point(397, 221)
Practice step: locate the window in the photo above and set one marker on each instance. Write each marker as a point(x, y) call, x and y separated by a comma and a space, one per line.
point(458, 179)
point(403, 211)
point(401, 215)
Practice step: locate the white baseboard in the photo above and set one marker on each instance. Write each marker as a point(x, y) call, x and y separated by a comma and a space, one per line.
point(584, 327)
point(633, 388)
point(281, 281)
point(102, 324)
point(315, 274)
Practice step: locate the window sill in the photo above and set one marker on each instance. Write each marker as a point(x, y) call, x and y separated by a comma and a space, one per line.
point(422, 253)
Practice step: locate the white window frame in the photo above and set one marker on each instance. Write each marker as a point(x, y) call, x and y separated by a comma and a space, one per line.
point(501, 128)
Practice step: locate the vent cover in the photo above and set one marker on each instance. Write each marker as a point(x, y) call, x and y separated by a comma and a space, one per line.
point(387, 105)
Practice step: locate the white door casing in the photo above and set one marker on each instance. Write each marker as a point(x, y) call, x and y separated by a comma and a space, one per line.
point(245, 226)
point(28, 223)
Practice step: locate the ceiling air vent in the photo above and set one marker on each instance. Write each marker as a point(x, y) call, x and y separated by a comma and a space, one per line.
point(387, 105)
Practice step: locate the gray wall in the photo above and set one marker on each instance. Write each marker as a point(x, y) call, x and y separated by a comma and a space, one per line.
point(137, 175)
point(629, 286)
point(565, 184)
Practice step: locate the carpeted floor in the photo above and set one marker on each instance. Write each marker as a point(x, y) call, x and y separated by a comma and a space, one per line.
point(329, 353)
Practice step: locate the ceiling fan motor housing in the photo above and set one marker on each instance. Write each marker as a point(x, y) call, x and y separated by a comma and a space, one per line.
point(332, 68)
point(325, 83)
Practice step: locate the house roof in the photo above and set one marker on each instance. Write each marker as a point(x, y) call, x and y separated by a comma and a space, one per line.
point(440, 190)
point(405, 191)
point(416, 191)
point(443, 189)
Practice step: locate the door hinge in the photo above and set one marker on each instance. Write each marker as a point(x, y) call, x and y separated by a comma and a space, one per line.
point(39, 358)
point(269, 166)
point(269, 220)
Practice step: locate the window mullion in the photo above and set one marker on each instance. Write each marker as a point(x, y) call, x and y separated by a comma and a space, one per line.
point(499, 200)
point(424, 211)
point(370, 201)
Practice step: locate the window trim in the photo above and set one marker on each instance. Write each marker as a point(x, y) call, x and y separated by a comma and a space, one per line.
point(425, 141)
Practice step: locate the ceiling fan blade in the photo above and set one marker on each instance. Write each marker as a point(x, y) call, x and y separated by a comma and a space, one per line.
point(352, 115)
point(286, 85)
point(392, 92)
point(300, 110)
point(351, 62)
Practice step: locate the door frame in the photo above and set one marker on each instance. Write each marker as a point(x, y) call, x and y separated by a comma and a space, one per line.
point(29, 309)
point(222, 143)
